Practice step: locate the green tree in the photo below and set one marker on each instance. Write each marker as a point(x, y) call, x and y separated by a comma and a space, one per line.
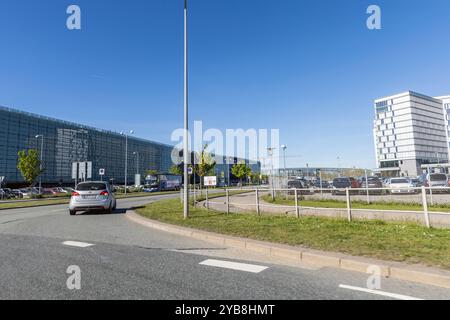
point(151, 172)
point(205, 164)
point(176, 170)
point(29, 165)
point(241, 170)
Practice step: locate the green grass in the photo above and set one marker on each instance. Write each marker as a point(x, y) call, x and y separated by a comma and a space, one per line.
point(382, 205)
point(402, 242)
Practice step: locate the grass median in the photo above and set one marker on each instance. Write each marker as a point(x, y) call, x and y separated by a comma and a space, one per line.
point(356, 204)
point(401, 242)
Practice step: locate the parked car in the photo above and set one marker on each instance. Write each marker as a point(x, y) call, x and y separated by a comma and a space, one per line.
point(296, 184)
point(339, 184)
point(401, 185)
point(324, 184)
point(355, 182)
point(372, 183)
point(416, 182)
point(90, 196)
point(435, 180)
point(3, 195)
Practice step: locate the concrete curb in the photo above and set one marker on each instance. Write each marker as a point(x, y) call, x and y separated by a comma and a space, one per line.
point(425, 275)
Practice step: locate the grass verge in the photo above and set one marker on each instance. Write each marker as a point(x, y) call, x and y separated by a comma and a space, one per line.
point(401, 242)
point(330, 203)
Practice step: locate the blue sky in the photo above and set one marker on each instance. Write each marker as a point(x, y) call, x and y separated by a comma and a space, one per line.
point(310, 68)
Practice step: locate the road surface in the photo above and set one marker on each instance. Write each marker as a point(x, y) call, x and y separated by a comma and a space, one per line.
point(119, 259)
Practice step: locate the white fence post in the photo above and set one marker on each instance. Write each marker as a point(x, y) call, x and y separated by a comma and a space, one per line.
point(228, 200)
point(207, 202)
point(297, 213)
point(257, 201)
point(425, 207)
point(273, 194)
point(349, 205)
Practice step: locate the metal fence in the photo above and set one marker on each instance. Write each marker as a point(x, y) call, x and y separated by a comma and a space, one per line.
point(425, 205)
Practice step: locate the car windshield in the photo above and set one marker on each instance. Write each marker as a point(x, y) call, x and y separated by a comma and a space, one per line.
point(438, 177)
point(399, 181)
point(91, 186)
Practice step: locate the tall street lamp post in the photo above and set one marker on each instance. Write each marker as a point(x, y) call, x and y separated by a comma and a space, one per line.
point(284, 147)
point(126, 156)
point(40, 160)
point(186, 124)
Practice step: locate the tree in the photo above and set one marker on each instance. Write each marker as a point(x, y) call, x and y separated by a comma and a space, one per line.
point(241, 170)
point(176, 170)
point(29, 165)
point(205, 164)
point(151, 172)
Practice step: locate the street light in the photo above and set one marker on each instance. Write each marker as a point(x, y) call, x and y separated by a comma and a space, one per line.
point(136, 153)
point(186, 124)
point(126, 156)
point(284, 147)
point(41, 158)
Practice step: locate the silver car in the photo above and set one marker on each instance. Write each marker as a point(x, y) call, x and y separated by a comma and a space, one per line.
point(89, 196)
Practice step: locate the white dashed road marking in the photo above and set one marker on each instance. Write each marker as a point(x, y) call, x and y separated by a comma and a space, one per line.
point(378, 292)
point(77, 244)
point(233, 265)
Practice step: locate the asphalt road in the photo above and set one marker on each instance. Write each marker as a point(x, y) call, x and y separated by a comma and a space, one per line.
point(124, 260)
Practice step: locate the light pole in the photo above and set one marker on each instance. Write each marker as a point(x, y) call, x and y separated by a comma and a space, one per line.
point(270, 150)
point(126, 157)
point(284, 147)
point(339, 166)
point(186, 123)
point(136, 153)
point(40, 160)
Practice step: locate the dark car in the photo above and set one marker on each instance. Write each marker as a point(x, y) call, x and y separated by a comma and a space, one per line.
point(321, 184)
point(339, 184)
point(372, 183)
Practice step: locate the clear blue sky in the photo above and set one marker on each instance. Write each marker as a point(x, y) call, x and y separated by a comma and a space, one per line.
point(310, 68)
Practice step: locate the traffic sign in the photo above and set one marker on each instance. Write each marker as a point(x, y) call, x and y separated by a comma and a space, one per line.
point(190, 170)
point(210, 181)
point(101, 172)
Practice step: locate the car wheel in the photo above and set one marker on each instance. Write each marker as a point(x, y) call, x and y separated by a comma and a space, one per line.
point(72, 212)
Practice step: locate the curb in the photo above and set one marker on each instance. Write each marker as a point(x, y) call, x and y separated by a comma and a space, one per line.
point(316, 258)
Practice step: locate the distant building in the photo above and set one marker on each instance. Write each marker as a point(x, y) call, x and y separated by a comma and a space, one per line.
point(410, 131)
point(446, 103)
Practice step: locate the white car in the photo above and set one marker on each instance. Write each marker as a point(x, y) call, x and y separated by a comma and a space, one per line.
point(401, 185)
point(89, 196)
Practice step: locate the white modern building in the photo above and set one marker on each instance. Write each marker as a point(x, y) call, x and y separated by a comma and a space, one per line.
point(446, 104)
point(410, 130)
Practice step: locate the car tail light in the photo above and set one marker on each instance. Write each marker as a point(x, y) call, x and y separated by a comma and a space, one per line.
point(75, 194)
point(104, 193)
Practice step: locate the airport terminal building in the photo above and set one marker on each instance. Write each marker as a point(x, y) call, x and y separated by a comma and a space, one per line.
point(65, 143)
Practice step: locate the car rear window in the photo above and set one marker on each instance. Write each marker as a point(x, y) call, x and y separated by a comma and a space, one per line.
point(91, 186)
point(438, 177)
point(399, 181)
point(345, 180)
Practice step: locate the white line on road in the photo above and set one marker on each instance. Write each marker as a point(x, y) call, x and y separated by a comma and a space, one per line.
point(77, 244)
point(380, 293)
point(233, 265)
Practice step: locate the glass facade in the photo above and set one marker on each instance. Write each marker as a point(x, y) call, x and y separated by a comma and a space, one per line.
point(66, 142)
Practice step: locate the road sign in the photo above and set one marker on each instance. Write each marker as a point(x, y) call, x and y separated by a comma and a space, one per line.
point(210, 181)
point(101, 172)
point(190, 170)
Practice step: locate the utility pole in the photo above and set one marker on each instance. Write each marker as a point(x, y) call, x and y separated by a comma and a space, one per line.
point(40, 160)
point(186, 123)
point(126, 157)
